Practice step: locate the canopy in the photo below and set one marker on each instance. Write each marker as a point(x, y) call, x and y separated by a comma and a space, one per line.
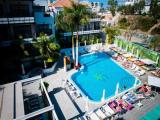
point(154, 81)
point(148, 61)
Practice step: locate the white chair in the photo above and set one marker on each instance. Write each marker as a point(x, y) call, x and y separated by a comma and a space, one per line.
point(93, 116)
point(100, 114)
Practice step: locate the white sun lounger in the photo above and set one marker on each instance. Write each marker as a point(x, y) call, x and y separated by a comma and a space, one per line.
point(140, 73)
point(136, 69)
point(100, 114)
point(133, 67)
point(82, 118)
point(93, 116)
point(108, 110)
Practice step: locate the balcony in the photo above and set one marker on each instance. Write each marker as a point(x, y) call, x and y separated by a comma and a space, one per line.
point(95, 19)
point(82, 32)
point(16, 20)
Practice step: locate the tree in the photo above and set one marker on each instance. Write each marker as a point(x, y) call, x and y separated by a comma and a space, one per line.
point(96, 4)
point(113, 6)
point(48, 49)
point(154, 9)
point(63, 22)
point(154, 42)
point(101, 5)
point(138, 7)
point(77, 15)
point(92, 4)
point(126, 9)
point(111, 33)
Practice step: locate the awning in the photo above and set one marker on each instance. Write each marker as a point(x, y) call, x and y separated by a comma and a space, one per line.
point(148, 61)
point(154, 81)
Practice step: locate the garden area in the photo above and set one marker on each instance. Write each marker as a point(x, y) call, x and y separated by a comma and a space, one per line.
point(139, 51)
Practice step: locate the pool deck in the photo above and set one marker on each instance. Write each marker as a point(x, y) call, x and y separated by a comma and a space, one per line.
point(57, 81)
point(56, 85)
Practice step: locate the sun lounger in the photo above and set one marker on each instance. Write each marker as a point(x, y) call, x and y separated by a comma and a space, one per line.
point(133, 67)
point(136, 69)
point(140, 96)
point(140, 72)
point(75, 94)
point(100, 114)
point(139, 105)
point(108, 110)
point(156, 72)
point(149, 67)
point(138, 62)
point(125, 105)
point(113, 105)
point(72, 88)
point(93, 116)
point(128, 99)
point(82, 118)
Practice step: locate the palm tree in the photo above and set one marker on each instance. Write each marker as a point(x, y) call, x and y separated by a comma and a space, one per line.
point(63, 22)
point(92, 4)
point(48, 49)
point(77, 15)
point(111, 32)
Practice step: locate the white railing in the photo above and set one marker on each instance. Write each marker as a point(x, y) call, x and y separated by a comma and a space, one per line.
point(42, 110)
point(95, 19)
point(82, 32)
point(15, 20)
point(33, 114)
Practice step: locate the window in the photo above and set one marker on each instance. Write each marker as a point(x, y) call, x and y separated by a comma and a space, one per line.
point(19, 10)
point(1, 10)
point(43, 28)
point(46, 14)
point(24, 30)
point(39, 8)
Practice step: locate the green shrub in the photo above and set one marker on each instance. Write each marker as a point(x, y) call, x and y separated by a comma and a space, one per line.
point(145, 23)
point(144, 52)
point(123, 23)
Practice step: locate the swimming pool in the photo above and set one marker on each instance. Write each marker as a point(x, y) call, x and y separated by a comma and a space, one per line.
point(101, 73)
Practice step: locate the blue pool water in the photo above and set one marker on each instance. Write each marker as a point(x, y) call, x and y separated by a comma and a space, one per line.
point(101, 73)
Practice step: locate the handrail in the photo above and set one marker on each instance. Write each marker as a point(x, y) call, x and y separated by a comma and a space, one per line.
point(38, 112)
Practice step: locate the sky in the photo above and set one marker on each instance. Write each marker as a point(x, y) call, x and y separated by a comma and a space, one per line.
point(105, 2)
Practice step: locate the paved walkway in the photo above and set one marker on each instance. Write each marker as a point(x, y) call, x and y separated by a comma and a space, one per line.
point(56, 82)
point(7, 108)
point(1, 99)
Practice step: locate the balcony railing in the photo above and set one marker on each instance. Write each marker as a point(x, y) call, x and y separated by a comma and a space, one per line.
point(95, 19)
point(82, 32)
point(16, 20)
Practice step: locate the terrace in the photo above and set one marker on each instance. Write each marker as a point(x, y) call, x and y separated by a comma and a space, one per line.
point(75, 106)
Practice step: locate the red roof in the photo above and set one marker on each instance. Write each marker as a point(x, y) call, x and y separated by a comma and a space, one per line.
point(61, 3)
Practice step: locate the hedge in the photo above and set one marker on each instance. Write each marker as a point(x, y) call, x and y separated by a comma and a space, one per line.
point(136, 49)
